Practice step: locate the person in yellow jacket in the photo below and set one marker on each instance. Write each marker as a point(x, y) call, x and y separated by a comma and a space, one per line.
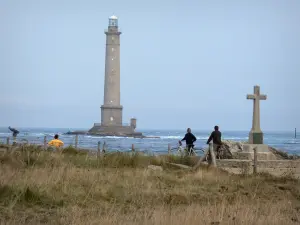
point(56, 142)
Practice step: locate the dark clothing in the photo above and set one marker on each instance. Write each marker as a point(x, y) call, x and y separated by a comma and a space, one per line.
point(216, 137)
point(189, 138)
point(15, 132)
point(189, 149)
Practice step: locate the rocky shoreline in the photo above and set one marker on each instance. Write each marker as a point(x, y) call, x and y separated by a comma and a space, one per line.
point(110, 134)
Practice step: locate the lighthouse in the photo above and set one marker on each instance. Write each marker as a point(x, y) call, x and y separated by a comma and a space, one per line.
point(111, 110)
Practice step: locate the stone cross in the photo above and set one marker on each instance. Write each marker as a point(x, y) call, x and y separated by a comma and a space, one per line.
point(256, 135)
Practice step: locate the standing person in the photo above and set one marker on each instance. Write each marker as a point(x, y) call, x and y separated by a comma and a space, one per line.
point(189, 139)
point(15, 133)
point(56, 142)
point(216, 137)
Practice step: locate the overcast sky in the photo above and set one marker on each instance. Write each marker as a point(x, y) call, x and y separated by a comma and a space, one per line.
point(183, 63)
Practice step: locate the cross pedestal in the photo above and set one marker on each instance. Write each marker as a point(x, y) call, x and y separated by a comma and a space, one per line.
point(263, 152)
point(256, 135)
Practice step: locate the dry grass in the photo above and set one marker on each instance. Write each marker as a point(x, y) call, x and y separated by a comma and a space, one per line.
point(42, 187)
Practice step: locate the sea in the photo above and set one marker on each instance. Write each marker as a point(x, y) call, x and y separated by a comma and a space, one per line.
point(157, 141)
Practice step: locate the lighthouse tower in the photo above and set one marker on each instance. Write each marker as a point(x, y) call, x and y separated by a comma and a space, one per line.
point(111, 110)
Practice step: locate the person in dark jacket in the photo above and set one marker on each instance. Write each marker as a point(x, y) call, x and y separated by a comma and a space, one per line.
point(215, 136)
point(189, 139)
point(15, 132)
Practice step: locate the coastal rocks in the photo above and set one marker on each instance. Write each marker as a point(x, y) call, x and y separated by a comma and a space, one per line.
point(283, 155)
point(230, 149)
point(233, 146)
point(108, 134)
point(234, 150)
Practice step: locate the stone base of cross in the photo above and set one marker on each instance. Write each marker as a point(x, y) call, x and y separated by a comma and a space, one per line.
point(262, 150)
point(256, 135)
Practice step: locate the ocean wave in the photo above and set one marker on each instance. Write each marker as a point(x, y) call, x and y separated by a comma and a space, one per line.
point(106, 137)
point(292, 143)
point(178, 137)
point(167, 137)
point(38, 134)
point(201, 137)
point(4, 135)
point(235, 138)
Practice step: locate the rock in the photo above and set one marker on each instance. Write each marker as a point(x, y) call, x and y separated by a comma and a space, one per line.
point(279, 154)
point(233, 146)
point(231, 149)
point(156, 168)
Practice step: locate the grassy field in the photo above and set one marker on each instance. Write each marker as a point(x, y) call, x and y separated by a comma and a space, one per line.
point(70, 187)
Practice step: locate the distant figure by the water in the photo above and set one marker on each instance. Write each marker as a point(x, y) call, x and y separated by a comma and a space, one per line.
point(56, 142)
point(216, 138)
point(15, 131)
point(189, 139)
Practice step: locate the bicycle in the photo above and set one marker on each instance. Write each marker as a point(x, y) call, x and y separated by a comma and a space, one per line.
point(179, 149)
point(186, 151)
point(183, 151)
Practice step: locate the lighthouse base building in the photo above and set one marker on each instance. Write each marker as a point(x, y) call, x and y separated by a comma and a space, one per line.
point(120, 131)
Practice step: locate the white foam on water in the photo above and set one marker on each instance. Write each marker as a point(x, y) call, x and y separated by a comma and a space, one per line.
point(107, 137)
point(201, 137)
point(167, 137)
point(235, 138)
point(294, 142)
point(39, 134)
point(180, 137)
point(4, 135)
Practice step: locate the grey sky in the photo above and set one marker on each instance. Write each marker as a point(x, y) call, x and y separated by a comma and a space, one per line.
point(183, 63)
